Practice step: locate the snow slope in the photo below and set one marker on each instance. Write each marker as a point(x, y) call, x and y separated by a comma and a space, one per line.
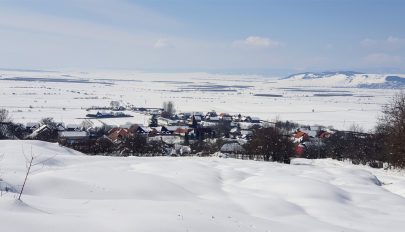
point(74, 192)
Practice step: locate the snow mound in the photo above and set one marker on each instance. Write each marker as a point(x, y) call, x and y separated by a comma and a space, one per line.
point(195, 194)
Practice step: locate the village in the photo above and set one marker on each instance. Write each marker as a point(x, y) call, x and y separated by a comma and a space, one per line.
point(186, 133)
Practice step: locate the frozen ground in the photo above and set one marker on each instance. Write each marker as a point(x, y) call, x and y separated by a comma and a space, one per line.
point(31, 96)
point(74, 192)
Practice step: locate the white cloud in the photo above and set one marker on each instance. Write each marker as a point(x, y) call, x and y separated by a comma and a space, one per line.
point(163, 43)
point(390, 41)
point(257, 41)
point(382, 59)
point(395, 40)
point(368, 42)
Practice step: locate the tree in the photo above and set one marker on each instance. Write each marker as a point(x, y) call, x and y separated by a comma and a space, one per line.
point(31, 162)
point(135, 144)
point(5, 121)
point(270, 144)
point(391, 125)
point(4, 116)
point(115, 105)
point(168, 109)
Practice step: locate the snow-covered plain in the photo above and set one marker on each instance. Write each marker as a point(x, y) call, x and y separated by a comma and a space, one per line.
point(74, 192)
point(335, 101)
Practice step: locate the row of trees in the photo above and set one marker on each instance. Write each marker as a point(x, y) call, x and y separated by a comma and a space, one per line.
point(385, 145)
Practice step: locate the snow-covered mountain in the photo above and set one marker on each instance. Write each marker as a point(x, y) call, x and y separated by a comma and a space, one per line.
point(348, 79)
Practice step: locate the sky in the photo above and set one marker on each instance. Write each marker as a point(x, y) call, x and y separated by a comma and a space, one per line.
point(275, 37)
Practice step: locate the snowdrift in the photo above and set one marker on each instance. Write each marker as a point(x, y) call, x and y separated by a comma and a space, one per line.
point(194, 194)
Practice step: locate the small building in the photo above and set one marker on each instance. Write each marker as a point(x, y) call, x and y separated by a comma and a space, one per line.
point(44, 132)
point(144, 130)
point(232, 148)
point(73, 127)
point(31, 126)
point(226, 117)
point(252, 119)
point(300, 136)
point(72, 137)
point(116, 134)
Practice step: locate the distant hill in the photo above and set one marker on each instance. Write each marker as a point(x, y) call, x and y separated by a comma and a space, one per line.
point(348, 79)
point(315, 75)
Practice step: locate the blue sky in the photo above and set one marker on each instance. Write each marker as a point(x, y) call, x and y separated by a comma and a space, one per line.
point(248, 36)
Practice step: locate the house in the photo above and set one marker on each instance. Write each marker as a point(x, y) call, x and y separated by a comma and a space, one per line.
point(167, 139)
point(60, 126)
point(116, 134)
point(232, 148)
point(169, 129)
point(144, 130)
point(235, 132)
point(183, 131)
point(44, 132)
point(72, 137)
point(308, 131)
point(73, 127)
point(213, 119)
point(252, 119)
point(211, 114)
point(246, 134)
point(324, 134)
point(226, 117)
point(103, 114)
point(185, 115)
point(300, 136)
point(31, 126)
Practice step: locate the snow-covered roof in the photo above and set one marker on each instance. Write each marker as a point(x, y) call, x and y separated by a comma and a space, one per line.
point(232, 148)
point(37, 131)
point(146, 129)
point(255, 118)
point(31, 124)
point(246, 132)
point(72, 134)
point(72, 126)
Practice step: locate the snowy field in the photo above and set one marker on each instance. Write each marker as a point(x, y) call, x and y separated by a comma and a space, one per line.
point(30, 96)
point(74, 192)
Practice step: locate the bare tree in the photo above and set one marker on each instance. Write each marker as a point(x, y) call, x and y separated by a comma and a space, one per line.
point(356, 128)
point(5, 121)
point(168, 109)
point(270, 144)
point(391, 125)
point(4, 116)
point(31, 162)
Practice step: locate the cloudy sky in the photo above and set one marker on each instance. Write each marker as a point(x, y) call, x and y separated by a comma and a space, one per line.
point(249, 36)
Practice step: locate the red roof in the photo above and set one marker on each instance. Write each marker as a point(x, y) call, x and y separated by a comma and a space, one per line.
point(300, 134)
point(117, 133)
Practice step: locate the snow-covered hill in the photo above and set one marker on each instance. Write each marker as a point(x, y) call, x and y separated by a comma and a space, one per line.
point(74, 192)
point(348, 79)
